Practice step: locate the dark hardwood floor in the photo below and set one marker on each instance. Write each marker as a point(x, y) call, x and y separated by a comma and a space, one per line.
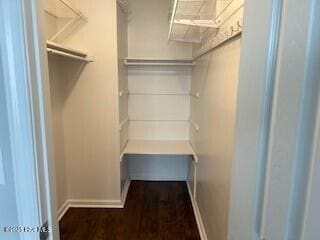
point(153, 211)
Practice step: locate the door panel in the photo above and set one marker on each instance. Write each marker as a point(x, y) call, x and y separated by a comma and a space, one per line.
point(8, 208)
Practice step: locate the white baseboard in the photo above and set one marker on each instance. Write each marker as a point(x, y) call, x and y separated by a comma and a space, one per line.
point(62, 210)
point(202, 231)
point(125, 192)
point(91, 203)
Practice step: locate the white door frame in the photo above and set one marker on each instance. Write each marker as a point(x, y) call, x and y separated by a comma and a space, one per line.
point(259, 46)
point(311, 218)
point(294, 117)
point(28, 100)
point(277, 104)
point(310, 229)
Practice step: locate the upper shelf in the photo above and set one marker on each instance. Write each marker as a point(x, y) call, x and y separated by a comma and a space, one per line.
point(58, 47)
point(61, 19)
point(158, 62)
point(191, 19)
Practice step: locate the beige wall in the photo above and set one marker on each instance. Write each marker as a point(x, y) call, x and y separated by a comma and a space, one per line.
point(57, 85)
point(148, 29)
point(88, 104)
point(56, 92)
point(215, 77)
point(91, 114)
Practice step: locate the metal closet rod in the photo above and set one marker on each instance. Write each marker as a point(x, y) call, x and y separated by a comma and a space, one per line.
point(60, 53)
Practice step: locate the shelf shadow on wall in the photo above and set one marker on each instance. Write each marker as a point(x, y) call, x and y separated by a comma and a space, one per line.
point(64, 75)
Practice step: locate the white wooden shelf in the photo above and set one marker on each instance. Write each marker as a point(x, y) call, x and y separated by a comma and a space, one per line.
point(231, 21)
point(156, 147)
point(191, 19)
point(158, 62)
point(61, 48)
point(56, 49)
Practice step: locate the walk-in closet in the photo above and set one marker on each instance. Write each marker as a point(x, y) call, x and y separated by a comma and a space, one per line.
point(159, 120)
point(143, 96)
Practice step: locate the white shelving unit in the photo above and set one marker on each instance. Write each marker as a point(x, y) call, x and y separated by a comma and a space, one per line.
point(62, 19)
point(230, 20)
point(158, 62)
point(156, 136)
point(190, 19)
point(159, 147)
point(56, 49)
point(61, 48)
point(193, 20)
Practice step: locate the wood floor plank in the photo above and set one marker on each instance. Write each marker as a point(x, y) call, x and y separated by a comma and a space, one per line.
point(153, 211)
